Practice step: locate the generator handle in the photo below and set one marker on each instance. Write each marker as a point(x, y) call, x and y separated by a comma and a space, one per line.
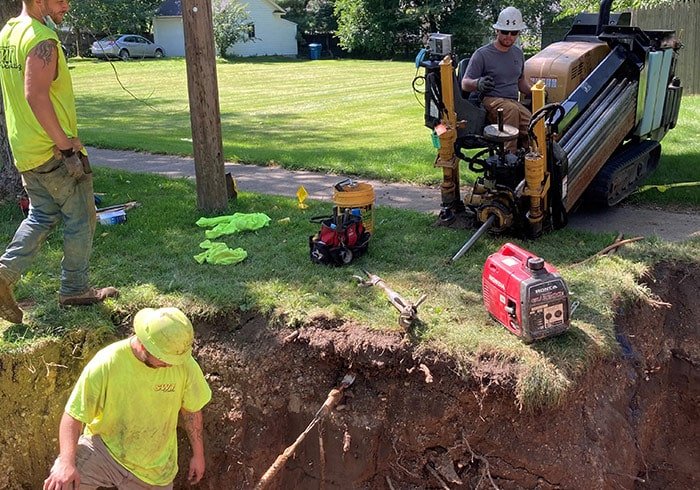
point(515, 251)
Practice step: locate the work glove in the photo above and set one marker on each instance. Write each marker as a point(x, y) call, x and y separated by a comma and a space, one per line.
point(485, 84)
point(74, 166)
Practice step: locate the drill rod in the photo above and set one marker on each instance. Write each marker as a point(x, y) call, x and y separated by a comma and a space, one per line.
point(483, 229)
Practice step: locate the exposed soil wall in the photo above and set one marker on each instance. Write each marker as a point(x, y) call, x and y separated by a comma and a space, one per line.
point(409, 421)
point(34, 386)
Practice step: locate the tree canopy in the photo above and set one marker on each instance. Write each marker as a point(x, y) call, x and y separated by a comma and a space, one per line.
point(311, 16)
point(400, 27)
point(231, 24)
point(112, 16)
point(570, 7)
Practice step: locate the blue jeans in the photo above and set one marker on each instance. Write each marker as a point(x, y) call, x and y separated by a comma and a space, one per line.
point(54, 196)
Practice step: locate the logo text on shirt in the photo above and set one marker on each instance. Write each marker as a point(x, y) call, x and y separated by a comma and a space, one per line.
point(8, 58)
point(165, 387)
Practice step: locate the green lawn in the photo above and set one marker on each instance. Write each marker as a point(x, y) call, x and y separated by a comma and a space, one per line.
point(345, 116)
point(677, 179)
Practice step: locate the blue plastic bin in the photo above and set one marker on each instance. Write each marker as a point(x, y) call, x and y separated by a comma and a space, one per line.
point(314, 51)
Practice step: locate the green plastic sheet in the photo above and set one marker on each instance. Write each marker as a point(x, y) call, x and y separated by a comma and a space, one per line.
point(226, 225)
point(219, 253)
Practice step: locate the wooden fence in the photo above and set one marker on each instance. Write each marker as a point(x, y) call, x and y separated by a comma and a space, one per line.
point(684, 17)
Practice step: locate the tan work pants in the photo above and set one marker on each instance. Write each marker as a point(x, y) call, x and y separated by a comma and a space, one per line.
point(514, 114)
point(98, 468)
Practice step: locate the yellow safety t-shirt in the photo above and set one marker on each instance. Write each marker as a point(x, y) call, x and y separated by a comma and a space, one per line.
point(134, 408)
point(30, 144)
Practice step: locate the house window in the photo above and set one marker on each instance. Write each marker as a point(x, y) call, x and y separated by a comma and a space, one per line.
point(251, 31)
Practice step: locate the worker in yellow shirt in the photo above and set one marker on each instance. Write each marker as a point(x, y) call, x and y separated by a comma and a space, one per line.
point(43, 131)
point(128, 398)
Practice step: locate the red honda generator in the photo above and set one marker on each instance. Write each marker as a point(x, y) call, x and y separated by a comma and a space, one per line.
point(525, 293)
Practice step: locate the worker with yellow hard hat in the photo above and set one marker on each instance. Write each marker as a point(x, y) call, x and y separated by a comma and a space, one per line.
point(128, 398)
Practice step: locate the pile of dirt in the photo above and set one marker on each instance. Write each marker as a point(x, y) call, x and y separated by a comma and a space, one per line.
point(408, 421)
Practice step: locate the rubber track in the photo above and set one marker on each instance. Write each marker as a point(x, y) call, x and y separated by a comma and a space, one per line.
point(598, 191)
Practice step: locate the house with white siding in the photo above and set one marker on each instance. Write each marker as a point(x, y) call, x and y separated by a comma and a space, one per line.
point(270, 33)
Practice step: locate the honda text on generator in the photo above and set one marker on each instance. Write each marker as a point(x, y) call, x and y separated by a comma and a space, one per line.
point(612, 96)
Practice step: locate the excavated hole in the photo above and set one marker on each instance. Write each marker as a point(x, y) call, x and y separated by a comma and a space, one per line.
point(407, 422)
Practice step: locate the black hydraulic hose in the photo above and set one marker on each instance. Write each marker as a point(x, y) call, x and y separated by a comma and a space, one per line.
point(544, 111)
point(433, 88)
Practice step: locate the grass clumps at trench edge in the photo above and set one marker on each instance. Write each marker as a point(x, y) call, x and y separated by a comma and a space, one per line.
point(150, 259)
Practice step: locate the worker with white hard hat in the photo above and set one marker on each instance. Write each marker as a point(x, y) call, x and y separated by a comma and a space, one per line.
point(128, 398)
point(496, 72)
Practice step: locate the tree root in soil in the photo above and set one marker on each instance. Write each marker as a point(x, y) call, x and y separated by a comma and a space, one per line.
point(334, 397)
point(612, 248)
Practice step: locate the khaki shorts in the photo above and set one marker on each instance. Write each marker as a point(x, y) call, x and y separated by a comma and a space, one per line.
point(98, 468)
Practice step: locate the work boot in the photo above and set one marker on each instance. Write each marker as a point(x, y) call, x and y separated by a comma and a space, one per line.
point(8, 306)
point(89, 297)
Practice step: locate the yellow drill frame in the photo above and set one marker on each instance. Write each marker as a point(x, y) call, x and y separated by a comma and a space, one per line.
point(537, 179)
point(447, 134)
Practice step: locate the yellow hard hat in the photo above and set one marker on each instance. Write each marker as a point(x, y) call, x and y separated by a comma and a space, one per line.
point(166, 333)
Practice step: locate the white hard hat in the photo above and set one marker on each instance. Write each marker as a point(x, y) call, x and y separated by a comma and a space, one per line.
point(510, 19)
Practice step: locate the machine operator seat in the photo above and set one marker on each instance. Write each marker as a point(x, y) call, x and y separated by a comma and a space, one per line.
point(468, 108)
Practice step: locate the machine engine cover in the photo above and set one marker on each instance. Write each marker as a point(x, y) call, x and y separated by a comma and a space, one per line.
point(564, 65)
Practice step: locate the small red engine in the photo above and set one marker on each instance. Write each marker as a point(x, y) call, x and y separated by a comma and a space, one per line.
point(525, 294)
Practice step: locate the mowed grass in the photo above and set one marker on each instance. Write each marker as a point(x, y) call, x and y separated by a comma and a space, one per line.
point(354, 117)
point(677, 179)
point(351, 117)
point(150, 259)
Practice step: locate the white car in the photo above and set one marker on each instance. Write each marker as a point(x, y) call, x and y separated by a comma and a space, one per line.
point(126, 46)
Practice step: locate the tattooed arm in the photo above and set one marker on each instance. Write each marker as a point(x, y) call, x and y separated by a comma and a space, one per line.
point(193, 426)
point(41, 69)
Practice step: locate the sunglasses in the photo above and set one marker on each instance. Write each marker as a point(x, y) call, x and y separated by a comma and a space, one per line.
point(511, 33)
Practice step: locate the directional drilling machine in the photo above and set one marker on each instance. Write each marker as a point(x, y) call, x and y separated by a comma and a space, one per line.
point(611, 96)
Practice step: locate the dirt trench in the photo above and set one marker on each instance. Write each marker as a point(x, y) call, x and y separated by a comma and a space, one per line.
point(408, 421)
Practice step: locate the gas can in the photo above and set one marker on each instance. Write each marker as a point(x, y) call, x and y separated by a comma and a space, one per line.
point(525, 294)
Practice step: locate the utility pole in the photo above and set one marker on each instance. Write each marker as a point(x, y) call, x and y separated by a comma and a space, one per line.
point(205, 116)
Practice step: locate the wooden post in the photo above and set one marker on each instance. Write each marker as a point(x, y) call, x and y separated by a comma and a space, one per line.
point(205, 115)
